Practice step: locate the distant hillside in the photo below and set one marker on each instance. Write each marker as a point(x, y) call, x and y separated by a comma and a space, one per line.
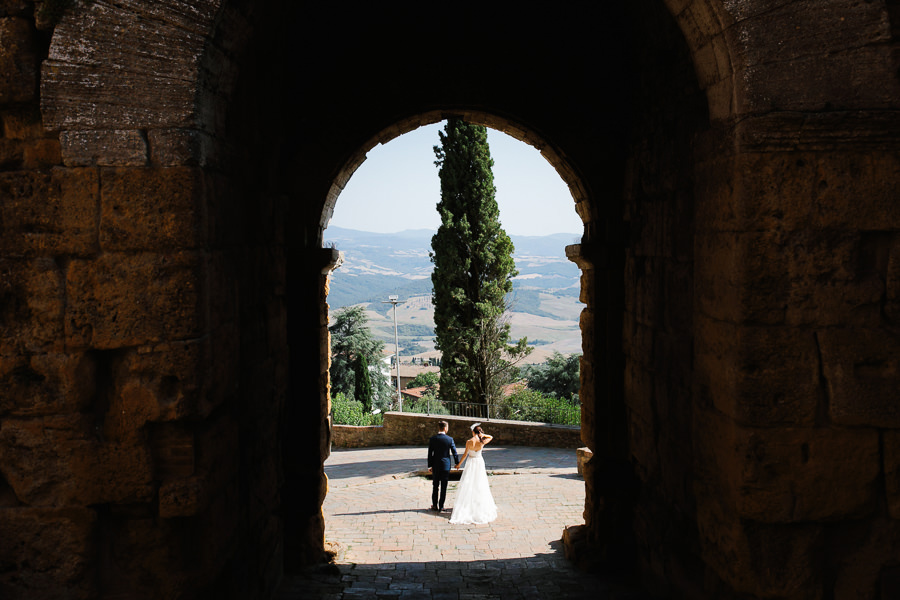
point(376, 265)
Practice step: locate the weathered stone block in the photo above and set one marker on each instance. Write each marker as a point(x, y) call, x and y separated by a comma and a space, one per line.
point(152, 209)
point(807, 475)
point(861, 367)
point(856, 191)
point(865, 548)
point(741, 277)
point(716, 291)
point(182, 497)
point(790, 475)
point(22, 123)
point(798, 190)
point(39, 154)
point(31, 306)
point(179, 380)
point(774, 191)
point(12, 154)
point(122, 300)
point(803, 34)
point(49, 214)
point(805, 277)
point(174, 449)
point(180, 147)
point(188, 488)
point(112, 103)
point(642, 419)
point(757, 559)
point(759, 376)
point(18, 61)
point(46, 384)
point(892, 283)
point(643, 284)
point(63, 460)
point(116, 148)
point(637, 341)
point(134, 543)
point(582, 455)
point(158, 45)
point(834, 280)
point(892, 472)
point(15, 8)
point(47, 553)
point(796, 73)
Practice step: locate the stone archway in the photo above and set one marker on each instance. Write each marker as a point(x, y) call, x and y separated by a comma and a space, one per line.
point(515, 130)
point(152, 102)
point(162, 345)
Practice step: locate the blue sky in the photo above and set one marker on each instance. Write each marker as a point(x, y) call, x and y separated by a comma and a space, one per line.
point(397, 188)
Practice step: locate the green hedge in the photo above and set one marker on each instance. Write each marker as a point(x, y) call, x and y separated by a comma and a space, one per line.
point(530, 405)
point(346, 411)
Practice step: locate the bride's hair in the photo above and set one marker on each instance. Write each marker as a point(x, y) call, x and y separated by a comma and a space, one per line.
point(479, 432)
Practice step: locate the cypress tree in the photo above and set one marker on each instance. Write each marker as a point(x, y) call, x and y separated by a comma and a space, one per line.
point(473, 269)
point(363, 391)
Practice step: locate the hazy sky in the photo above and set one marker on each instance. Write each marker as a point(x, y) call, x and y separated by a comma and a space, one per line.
point(397, 188)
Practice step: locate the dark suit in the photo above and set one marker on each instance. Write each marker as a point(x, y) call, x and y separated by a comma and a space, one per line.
point(440, 447)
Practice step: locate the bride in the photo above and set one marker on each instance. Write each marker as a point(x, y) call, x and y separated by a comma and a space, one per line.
point(474, 502)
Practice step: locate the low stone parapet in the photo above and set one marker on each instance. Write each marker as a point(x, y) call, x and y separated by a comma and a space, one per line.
point(414, 429)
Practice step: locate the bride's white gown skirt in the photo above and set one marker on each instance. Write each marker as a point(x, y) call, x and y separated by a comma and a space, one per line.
point(474, 502)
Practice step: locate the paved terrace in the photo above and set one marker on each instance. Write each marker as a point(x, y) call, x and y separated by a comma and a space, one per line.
point(390, 545)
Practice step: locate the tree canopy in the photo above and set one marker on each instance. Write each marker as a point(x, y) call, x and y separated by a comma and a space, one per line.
point(351, 344)
point(426, 379)
point(559, 376)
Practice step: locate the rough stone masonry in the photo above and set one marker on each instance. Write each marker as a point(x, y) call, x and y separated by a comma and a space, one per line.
point(166, 171)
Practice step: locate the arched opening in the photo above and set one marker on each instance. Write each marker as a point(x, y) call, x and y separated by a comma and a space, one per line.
point(384, 224)
point(163, 193)
point(521, 553)
point(629, 161)
point(268, 140)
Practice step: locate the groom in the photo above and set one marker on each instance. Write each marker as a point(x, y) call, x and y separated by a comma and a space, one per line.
point(440, 447)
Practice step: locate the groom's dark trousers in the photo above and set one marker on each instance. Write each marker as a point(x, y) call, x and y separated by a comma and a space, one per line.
point(440, 447)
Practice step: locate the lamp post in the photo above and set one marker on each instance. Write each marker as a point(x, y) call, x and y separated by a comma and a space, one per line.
point(394, 301)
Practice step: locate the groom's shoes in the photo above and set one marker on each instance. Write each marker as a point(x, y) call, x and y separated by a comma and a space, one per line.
point(435, 508)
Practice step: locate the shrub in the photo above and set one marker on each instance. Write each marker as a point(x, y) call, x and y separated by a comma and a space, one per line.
point(436, 407)
point(346, 411)
point(530, 405)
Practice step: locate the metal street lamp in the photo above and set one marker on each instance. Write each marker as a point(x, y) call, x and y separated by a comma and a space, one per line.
point(394, 300)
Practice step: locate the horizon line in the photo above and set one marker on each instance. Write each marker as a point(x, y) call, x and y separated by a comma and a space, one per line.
point(435, 230)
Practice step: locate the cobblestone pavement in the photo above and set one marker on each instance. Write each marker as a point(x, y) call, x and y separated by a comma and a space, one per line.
point(390, 545)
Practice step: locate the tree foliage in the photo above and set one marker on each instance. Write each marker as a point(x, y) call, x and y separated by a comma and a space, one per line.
point(531, 405)
point(351, 341)
point(362, 382)
point(347, 411)
point(473, 269)
point(559, 376)
point(424, 379)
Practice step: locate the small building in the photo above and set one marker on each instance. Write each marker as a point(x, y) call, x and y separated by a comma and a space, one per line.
point(409, 372)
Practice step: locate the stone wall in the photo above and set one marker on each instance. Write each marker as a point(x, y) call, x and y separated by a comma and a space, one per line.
point(166, 172)
point(410, 429)
point(658, 333)
point(143, 325)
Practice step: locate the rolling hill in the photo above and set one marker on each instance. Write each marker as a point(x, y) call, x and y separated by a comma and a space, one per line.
point(544, 302)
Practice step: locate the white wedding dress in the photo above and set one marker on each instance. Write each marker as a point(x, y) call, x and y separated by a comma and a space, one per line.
point(474, 502)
